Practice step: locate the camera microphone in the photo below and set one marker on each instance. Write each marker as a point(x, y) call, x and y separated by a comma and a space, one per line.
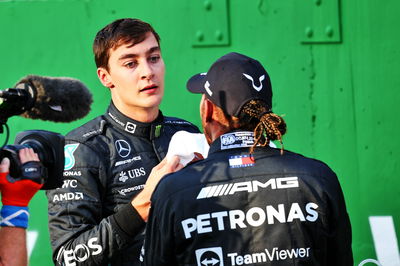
point(45, 98)
point(57, 99)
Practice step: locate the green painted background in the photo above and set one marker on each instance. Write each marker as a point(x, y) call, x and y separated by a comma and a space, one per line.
point(338, 88)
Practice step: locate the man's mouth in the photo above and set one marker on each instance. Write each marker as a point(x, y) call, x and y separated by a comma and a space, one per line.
point(150, 88)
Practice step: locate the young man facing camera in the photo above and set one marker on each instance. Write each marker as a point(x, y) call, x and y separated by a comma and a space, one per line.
point(98, 216)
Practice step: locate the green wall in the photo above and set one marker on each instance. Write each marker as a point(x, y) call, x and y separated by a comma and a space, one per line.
point(334, 68)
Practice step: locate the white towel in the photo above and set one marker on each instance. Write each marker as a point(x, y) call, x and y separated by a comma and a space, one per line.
point(185, 144)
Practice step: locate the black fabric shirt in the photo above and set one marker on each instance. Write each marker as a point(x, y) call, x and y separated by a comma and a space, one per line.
point(237, 209)
point(107, 163)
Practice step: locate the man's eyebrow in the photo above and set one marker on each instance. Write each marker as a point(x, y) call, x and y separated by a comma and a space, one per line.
point(150, 51)
point(153, 49)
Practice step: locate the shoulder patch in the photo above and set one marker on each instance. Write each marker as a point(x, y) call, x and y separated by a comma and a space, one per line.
point(96, 131)
point(90, 129)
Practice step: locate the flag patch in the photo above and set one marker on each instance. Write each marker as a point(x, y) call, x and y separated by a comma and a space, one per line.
point(241, 161)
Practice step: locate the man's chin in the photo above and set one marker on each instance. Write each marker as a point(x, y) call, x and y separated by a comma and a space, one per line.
point(152, 102)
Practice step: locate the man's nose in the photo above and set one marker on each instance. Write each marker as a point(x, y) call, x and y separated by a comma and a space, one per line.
point(146, 71)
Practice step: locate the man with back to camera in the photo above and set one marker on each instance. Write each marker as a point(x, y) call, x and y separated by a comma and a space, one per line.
point(92, 218)
point(247, 203)
point(16, 194)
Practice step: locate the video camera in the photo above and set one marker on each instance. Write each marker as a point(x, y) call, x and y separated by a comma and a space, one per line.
point(45, 98)
point(50, 148)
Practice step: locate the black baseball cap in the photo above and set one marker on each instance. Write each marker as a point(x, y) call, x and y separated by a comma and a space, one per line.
point(232, 81)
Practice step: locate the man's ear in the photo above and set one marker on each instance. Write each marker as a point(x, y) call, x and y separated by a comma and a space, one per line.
point(208, 110)
point(104, 77)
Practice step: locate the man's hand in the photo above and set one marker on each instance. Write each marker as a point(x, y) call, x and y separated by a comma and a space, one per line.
point(18, 192)
point(142, 201)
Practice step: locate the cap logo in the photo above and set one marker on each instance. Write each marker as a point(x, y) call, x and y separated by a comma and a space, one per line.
point(207, 88)
point(260, 79)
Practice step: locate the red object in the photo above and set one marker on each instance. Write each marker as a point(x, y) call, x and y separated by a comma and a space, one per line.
point(18, 193)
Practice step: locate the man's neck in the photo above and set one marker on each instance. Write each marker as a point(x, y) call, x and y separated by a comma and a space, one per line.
point(144, 115)
point(214, 130)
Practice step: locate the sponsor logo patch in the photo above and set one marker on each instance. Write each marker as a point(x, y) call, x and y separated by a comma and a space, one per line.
point(122, 176)
point(214, 256)
point(268, 255)
point(123, 148)
point(90, 133)
point(116, 119)
point(130, 127)
point(237, 140)
point(241, 161)
point(254, 217)
point(69, 155)
point(80, 252)
point(72, 173)
point(247, 186)
point(70, 183)
point(209, 256)
point(177, 122)
point(69, 196)
point(133, 173)
point(127, 190)
point(136, 158)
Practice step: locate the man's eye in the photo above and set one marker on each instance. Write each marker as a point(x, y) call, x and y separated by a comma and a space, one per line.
point(154, 58)
point(130, 64)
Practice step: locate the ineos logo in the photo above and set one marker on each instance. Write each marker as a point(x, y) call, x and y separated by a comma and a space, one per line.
point(80, 252)
point(123, 148)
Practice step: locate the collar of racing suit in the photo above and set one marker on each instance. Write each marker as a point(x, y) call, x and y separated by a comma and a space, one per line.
point(131, 126)
point(232, 140)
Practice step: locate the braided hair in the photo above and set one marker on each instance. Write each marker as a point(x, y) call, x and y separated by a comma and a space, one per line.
point(267, 126)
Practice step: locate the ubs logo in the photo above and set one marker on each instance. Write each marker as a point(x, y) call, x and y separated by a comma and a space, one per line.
point(123, 148)
point(209, 256)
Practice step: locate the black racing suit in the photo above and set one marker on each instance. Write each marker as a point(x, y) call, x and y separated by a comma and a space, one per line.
point(236, 209)
point(108, 160)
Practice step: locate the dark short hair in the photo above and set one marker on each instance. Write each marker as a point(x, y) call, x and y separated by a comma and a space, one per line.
point(119, 32)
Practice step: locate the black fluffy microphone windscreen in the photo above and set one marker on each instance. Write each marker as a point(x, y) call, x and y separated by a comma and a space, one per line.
point(57, 99)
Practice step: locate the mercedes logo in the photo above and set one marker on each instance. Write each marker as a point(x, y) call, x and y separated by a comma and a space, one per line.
point(123, 148)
